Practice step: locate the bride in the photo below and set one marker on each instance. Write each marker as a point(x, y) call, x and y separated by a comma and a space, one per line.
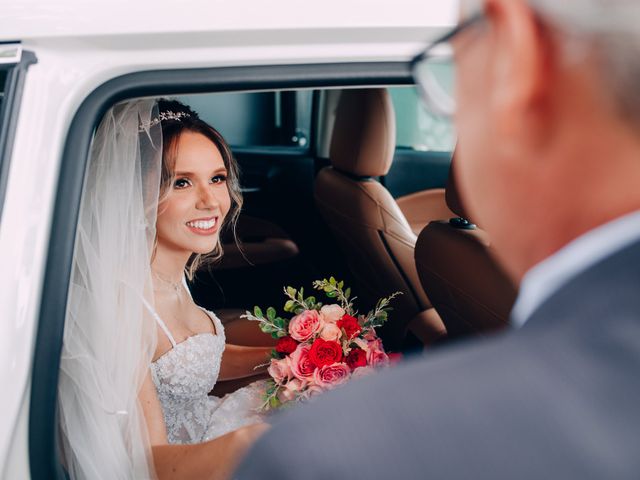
point(139, 356)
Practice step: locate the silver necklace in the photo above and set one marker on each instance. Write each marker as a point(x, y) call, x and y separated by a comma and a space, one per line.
point(176, 287)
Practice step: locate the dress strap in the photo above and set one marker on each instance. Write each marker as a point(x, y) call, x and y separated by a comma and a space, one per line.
point(155, 315)
point(217, 324)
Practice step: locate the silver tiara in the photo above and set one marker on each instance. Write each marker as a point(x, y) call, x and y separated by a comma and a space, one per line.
point(166, 115)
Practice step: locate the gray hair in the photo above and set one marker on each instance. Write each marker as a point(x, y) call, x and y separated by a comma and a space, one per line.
point(609, 29)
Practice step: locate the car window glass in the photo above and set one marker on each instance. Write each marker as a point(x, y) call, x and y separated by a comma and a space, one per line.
point(416, 127)
point(257, 119)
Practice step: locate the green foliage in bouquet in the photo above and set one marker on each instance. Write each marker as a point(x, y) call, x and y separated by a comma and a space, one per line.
point(276, 326)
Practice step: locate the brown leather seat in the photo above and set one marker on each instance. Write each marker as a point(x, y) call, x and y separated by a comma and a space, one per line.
point(470, 291)
point(368, 224)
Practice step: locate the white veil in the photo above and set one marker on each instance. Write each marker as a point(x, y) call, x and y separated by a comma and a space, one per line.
point(109, 338)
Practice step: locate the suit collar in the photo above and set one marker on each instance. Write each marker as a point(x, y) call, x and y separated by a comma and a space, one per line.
point(588, 250)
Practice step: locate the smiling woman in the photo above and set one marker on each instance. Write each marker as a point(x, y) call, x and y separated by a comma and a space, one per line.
point(199, 185)
point(175, 175)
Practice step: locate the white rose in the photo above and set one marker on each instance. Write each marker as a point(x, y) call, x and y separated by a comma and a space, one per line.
point(331, 332)
point(332, 313)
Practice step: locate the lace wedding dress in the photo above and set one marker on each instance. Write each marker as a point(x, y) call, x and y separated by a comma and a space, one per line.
point(186, 374)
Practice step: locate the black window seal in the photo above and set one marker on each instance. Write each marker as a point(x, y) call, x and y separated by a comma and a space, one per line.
point(43, 446)
point(14, 86)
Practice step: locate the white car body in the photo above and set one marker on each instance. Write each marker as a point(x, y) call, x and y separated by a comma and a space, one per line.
point(79, 46)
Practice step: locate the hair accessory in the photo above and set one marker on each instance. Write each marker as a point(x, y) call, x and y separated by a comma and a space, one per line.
point(166, 115)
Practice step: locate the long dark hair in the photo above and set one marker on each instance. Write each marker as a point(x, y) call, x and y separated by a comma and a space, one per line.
point(171, 131)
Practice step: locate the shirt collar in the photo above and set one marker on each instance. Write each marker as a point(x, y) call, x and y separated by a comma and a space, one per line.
point(545, 278)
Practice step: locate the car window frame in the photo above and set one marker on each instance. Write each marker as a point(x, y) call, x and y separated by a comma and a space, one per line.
point(43, 439)
point(9, 112)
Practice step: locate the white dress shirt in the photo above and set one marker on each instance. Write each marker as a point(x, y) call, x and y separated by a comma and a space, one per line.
point(545, 278)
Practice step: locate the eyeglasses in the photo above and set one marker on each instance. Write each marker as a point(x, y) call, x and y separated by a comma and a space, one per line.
point(434, 70)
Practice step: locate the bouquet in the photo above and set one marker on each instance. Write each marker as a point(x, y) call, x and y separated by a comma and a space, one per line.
point(321, 346)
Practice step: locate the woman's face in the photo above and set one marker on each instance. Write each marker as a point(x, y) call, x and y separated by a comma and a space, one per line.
point(190, 217)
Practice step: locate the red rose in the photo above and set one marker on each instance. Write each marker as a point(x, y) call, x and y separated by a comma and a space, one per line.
point(286, 345)
point(350, 325)
point(325, 352)
point(357, 358)
point(394, 357)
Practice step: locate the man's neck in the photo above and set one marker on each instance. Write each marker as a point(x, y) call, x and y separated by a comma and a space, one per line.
point(600, 192)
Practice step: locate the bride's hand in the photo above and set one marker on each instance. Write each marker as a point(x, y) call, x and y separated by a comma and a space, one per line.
point(246, 436)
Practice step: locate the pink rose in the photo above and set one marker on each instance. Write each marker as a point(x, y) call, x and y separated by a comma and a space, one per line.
point(331, 376)
point(280, 370)
point(301, 365)
point(305, 325)
point(331, 332)
point(332, 313)
point(376, 356)
point(362, 372)
point(291, 390)
point(312, 391)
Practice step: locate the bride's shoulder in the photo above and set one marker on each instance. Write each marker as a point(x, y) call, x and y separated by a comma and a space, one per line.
point(214, 318)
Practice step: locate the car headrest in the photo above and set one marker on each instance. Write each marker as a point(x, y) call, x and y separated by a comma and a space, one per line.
point(452, 197)
point(364, 133)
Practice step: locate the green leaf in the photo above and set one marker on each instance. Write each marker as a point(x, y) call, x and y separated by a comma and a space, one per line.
point(332, 294)
point(257, 312)
point(347, 293)
point(291, 291)
point(332, 281)
point(271, 313)
point(288, 307)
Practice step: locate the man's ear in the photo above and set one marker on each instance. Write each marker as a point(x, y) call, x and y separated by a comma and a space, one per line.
point(519, 65)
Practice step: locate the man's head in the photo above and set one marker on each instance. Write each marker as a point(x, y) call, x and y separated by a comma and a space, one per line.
point(548, 118)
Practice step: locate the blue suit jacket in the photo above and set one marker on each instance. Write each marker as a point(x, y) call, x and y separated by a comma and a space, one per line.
point(558, 398)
